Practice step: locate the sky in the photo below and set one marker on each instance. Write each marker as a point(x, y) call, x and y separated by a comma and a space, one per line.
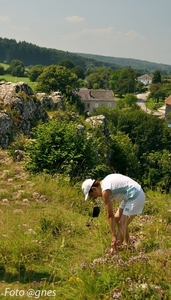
point(119, 28)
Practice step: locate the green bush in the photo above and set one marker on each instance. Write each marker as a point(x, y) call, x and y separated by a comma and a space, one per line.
point(61, 147)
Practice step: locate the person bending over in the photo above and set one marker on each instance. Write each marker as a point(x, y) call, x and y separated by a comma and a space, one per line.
point(120, 188)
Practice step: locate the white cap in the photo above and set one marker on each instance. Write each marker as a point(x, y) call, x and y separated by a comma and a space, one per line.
point(86, 186)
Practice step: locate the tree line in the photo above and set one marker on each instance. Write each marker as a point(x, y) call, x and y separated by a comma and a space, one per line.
point(32, 55)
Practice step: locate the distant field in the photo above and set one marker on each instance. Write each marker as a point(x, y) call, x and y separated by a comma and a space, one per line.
point(10, 78)
point(5, 66)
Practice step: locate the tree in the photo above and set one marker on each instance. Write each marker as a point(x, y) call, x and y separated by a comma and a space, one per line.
point(16, 68)
point(98, 78)
point(54, 78)
point(123, 157)
point(139, 87)
point(61, 147)
point(130, 100)
point(2, 71)
point(58, 78)
point(157, 171)
point(156, 77)
point(79, 71)
point(34, 72)
point(66, 63)
point(156, 91)
point(122, 81)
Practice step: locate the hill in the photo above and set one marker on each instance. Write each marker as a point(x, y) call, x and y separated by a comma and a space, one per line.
point(135, 64)
point(31, 55)
point(46, 246)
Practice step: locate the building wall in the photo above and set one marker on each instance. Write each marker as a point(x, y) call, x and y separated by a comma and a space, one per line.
point(168, 109)
point(90, 105)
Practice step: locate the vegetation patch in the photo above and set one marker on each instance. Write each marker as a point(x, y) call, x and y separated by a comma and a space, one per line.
point(46, 245)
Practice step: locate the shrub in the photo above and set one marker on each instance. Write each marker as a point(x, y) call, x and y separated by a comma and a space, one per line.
point(61, 147)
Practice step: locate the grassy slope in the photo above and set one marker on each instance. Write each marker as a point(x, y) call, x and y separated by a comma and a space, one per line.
point(45, 243)
point(10, 78)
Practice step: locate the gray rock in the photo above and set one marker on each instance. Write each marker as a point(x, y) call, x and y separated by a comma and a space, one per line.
point(52, 102)
point(20, 111)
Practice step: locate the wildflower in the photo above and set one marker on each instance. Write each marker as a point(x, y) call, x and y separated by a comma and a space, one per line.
point(121, 262)
point(91, 265)
point(83, 265)
point(128, 279)
point(71, 279)
point(144, 286)
point(4, 235)
point(78, 279)
point(107, 250)
point(31, 231)
point(116, 294)
point(73, 271)
point(115, 256)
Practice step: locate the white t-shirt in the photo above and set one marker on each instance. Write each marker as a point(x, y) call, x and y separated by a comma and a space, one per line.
point(121, 186)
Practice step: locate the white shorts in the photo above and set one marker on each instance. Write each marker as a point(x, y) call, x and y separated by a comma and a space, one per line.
point(133, 207)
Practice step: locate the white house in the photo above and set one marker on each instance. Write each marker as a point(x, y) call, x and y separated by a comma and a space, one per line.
point(145, 79)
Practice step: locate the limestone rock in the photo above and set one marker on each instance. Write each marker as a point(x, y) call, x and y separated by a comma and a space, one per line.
point(20, 111)
point(51, 102)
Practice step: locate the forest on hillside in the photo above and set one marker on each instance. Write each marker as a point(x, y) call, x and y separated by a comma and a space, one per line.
point(31, 55)
point(135, 64)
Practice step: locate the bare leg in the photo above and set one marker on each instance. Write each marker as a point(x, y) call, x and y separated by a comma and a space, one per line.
point(118, 215)
point(123, 232)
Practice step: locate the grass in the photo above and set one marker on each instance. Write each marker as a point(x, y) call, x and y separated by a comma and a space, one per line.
point(153, 105)
point(5, 66)
point(10, 78)
point(46, 246)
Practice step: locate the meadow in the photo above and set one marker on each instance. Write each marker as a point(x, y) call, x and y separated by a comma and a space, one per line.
point(14, 79)
point(47, 247)
point(10, 78)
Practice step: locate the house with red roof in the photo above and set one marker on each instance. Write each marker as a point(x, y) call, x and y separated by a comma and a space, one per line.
point(168, 105)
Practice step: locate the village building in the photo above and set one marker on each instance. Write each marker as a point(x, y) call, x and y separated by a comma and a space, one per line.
point(93, 98)
point(145, 79)
point(168, 105)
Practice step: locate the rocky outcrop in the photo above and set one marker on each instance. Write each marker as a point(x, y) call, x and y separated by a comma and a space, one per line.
point(53, 101)
point(6, 125)
point(20, 110)
point(99, 121)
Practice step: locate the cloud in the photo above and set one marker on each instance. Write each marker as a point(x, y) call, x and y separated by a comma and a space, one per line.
point(111, 42)
point(110, 32)
point(74, 19)
point(134, 34)
point(4, 19)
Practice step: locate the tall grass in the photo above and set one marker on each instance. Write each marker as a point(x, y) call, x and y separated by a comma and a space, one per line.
point(45, 243)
